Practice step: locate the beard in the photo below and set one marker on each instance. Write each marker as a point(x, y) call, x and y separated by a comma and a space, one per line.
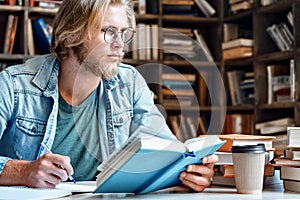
point(100, 68)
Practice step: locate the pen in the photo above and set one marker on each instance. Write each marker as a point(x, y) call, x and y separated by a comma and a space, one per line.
point(49, 151)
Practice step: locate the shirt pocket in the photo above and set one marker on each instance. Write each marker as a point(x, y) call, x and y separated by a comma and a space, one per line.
point(28, 137)
point(122, 118)
point(122, 122)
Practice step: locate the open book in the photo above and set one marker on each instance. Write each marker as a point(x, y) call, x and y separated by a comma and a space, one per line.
point(147, 163)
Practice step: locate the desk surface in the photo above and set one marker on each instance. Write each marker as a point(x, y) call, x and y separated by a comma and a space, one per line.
point(270, 192)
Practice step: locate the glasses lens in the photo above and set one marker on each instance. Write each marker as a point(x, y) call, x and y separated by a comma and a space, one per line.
point(127, 35)
point(110, 34)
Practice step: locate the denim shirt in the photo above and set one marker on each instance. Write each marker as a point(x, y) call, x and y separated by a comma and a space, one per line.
point(29, 106)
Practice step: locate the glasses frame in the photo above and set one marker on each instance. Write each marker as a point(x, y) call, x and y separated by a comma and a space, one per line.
point(115, 33)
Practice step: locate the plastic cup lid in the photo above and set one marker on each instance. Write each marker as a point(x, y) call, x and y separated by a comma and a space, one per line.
point(259, 148)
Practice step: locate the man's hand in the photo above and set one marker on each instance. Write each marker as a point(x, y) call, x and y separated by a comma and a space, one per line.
point(47, 171)
point(198, 177)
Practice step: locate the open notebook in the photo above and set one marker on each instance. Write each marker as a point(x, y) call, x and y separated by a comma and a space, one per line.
point(62, 190)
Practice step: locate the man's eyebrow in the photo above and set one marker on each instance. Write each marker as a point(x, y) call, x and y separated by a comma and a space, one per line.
point(112, 26)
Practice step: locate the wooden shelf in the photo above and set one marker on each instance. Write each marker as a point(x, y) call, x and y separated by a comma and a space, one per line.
point(11, 8)
point(189, 19)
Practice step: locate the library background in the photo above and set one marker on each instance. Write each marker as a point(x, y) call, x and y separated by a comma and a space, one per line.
point(231, 63)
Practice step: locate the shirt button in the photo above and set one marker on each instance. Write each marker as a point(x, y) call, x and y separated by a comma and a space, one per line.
point(33, 130)
point(121, 120)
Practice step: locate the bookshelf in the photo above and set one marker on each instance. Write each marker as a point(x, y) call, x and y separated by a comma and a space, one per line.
point(211, 105)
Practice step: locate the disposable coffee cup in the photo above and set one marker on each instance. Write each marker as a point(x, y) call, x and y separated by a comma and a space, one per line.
point(249, 162)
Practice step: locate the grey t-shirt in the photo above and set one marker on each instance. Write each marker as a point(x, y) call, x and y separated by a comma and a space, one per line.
point(77, 136)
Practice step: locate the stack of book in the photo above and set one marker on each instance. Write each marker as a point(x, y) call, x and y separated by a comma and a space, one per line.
point(276, 127)
point(290, 162)
point(177, 44)
point(178, 89)
point(224, 168)
point(237, 48)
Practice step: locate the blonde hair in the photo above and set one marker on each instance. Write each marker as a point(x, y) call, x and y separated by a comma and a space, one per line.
point(77, 21)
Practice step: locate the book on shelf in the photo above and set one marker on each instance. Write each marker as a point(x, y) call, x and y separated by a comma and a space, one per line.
point(10, 33)
point(42, 36)
point(178, 2)
point(289, 17)
point(142, 7)
point(202, 43)
point(202, 125)
point(279, 83)
point(233, 31)
point(185, 127)
point(147, 162)
point(242, 5)
point(238, 42)
point(202, 89)
point(238, 123)
point(10, 2)
point(152, 6)
point(182, 7)
point(30, 40)
point(275, 126)
point(276, 122)
point(205, 7)
point(178, 92)
point(234, 1)
point(267, 2)
point(293, 137)
point(230, 31)
point(245, 139)
point(274, 129)
point(237, 94)
point(293, 186)
point(237, 52)
point(281, 36)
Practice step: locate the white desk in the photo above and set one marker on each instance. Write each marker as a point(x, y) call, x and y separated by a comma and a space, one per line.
point(271, 192)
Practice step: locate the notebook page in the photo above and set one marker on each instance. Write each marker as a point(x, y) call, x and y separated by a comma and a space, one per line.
point(25, 193)
point(81, 186)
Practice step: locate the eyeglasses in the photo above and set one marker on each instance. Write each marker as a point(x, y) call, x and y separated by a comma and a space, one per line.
point(111, 34)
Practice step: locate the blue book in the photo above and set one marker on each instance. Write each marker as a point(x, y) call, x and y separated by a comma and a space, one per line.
point(42, 36)
point(147, 162)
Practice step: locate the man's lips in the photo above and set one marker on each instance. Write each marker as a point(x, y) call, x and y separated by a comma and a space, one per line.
point(114, 55)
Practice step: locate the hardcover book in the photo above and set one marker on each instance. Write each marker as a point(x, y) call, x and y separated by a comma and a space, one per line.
point(148, 162)
point(42, 36)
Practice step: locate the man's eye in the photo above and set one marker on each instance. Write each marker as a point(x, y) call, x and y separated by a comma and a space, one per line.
point(110, 30)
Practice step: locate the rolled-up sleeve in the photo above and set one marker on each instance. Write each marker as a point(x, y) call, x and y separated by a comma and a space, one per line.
point(6, 108)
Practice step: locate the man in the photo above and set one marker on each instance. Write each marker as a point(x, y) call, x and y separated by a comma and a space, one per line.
point(80, 101)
